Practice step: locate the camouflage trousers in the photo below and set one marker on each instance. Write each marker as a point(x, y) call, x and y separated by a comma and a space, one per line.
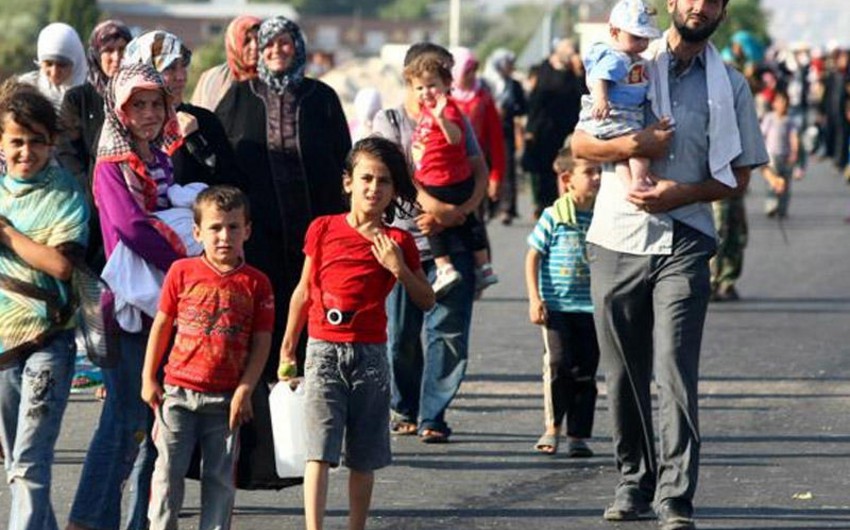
point(730, 218)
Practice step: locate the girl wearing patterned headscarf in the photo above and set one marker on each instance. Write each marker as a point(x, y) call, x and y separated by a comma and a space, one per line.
point(291, 137)
point(61, 60)
point(240, 45)
point(131, 177)
point(205, 154)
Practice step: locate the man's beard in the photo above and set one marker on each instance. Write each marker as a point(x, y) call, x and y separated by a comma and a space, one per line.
point(697, 35)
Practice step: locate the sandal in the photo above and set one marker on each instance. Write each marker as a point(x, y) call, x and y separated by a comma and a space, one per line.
point(547, 444)
point(403, 428)
point(432, 436)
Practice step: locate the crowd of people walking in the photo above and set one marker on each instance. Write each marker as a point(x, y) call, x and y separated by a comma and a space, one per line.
point(247, 215)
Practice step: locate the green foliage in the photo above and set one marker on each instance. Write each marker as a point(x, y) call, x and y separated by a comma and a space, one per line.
point(21, 21)
point(740, 15)
point(204, 57)
point(405, 10)
point(82, 15)
point(510, 30)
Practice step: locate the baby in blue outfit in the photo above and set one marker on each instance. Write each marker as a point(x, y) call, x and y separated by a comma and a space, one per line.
point(618, 84)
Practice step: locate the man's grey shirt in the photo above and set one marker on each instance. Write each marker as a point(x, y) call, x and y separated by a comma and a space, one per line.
point(618, 224)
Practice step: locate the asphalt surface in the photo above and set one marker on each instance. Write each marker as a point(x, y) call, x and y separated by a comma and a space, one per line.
point(775, 395)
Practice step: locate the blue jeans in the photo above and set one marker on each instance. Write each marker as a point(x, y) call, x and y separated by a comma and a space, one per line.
point(120, 448)
point(33, 396)
point(426, 379)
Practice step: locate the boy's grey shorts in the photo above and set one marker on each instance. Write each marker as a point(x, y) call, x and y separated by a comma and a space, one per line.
point(622, 120)
point(347, 393)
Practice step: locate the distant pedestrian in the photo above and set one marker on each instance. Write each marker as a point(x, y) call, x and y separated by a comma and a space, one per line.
point(511, 105)
point(781, 136)
point(352, 262)
point(242, 50)
point(222, 310)
point(557, 276)
point(553, 110)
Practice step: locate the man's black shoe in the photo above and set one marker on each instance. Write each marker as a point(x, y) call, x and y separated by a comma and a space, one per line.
point(675, 514)
point(619, 512)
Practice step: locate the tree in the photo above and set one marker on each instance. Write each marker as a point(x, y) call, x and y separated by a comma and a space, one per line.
point(82, 15)
point(740, 15)
point(21, 21)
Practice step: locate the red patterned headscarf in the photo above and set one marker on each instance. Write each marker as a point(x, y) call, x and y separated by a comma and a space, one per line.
point(116, 141)
point(234, 43)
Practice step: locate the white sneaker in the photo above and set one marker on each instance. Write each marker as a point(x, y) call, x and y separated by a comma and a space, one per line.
point(485, 277)
point(447, 277)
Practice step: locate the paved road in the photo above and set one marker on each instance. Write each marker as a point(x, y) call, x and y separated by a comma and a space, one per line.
point(775, 395)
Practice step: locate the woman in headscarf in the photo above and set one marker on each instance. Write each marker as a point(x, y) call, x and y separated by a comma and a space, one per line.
point(291, 137)
point(61, 62)
point(367, 103)
point(510, 102)
point(477, 104)
point(81, 117)
point(240, 45)
point(131, 178)
point(205, 155)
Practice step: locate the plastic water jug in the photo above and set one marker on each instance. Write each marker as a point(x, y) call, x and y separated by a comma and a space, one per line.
point(288, 429)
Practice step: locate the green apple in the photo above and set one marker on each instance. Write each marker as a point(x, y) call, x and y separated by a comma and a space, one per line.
point(287, 370)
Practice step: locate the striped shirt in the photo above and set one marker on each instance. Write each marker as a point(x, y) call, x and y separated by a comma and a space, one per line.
point(564, 275)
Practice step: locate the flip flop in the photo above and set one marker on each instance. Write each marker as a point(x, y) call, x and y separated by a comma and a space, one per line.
point(431, 436)
point(403, 428)
point(547, 444)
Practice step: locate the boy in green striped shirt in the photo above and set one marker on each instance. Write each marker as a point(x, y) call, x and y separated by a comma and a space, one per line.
point(558, 282)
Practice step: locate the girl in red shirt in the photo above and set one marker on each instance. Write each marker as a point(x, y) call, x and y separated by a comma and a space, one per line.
point(352, 262)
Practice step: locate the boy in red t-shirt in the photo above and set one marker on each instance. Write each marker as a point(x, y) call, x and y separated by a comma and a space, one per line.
point(224, 313)
point(442, 169)
point(352, 262)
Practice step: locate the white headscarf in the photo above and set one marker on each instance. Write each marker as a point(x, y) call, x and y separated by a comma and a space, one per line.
point(59, 40)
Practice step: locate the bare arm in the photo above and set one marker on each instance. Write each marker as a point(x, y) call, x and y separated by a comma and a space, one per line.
point(45, 258)
point(536, 308)
point(241, 409)
point(668, 194)
point(160, 335)
point(297, 318)
point(599, 91)
point(651, 142)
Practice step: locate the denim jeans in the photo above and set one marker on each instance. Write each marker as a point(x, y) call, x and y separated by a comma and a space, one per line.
point(426, 378)
point(121, 436)
point(187, 418)
point(33, 396)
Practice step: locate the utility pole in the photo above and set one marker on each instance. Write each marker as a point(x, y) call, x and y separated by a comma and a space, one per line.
point(454, 23)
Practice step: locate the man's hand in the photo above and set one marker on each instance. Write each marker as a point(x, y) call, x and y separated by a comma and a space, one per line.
point(666, 195)
point(152, 392)
point(241, 410)
point(653, 141)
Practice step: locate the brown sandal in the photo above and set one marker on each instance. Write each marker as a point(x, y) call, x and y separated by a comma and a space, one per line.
point(403, 428)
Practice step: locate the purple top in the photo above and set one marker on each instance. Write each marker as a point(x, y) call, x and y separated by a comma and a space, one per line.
point(122, 219)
